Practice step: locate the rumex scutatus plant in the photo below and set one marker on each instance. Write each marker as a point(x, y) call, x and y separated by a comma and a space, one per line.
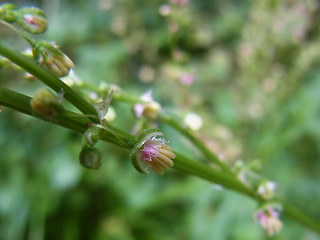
point(147, 149)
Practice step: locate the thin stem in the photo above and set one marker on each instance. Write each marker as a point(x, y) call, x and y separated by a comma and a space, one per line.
point(201, 170)
point(67, 119)
point(47, 78)
point(294, 213)
point(30, 41)
point(199, 144)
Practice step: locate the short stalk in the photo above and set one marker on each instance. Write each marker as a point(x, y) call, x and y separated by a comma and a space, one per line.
point(200, 145)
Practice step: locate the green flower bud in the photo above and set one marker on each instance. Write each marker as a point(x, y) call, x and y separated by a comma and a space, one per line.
point(92, 136)
point(45, 103)
point(54, 60)
point(32, 20)
point(90, 157)
point(6, 12)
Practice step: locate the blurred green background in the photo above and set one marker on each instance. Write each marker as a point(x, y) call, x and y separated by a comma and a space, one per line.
point(256, 86)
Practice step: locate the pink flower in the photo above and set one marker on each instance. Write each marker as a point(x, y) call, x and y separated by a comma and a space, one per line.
point(187, 79)
point(268, 218)
point(148, 108)
point(153, 152)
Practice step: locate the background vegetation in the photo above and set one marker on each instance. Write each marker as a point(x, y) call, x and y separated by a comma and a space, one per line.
point(256, 81)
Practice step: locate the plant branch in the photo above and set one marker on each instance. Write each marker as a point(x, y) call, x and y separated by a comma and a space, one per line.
point(47, 78)
point(79, 123)
point(200, 145)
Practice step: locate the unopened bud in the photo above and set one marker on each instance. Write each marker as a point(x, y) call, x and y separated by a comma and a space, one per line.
point(92, 135)
point(267, 189)
point(7, 12)
point(45, 103)
point(56, 61)
point(193, 121)
point(32, 20)
point(90, 157)
point(111, 115)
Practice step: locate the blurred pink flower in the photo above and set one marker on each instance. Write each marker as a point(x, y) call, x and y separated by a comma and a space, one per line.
point(180, 3)
point(149, 108)
point(187, 79)
point(269, 219)
point(165, 10)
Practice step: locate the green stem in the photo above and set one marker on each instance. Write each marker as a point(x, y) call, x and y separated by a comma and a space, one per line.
point(199, 144)
point(197, 168)
point(79, 123)
point(30, 41)
point(201, 170)
point(67, 119)
point(302, 218)
point(47, 78)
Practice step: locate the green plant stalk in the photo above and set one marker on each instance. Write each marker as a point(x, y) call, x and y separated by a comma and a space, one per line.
point(200, 145)
point(48, 79)
point(187, 165)
point(21, 34)
point(79, 123)
point(67, 119)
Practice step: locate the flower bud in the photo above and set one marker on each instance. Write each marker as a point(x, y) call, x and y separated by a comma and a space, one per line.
point(266, 189)
point(45, 103)
point(32, 20)
point(90, 157)
point(92, 136)
point(111, 115)
point(151, 151)
point(56, 61)
point(149, 108)
point(193, 121)
point(7, 12)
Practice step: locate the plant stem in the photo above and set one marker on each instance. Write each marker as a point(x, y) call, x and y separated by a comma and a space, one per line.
point(197, 168)
point(21, 34)
point(200, 145)
point(302, 218)
point(79, 123)
point(47, 78)
point(67, 119)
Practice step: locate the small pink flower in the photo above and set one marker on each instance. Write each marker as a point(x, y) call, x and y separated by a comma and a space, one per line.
point(154, 153)
point(148, 108)
point(268, 218)
point(165, 10)
point(187, 79)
